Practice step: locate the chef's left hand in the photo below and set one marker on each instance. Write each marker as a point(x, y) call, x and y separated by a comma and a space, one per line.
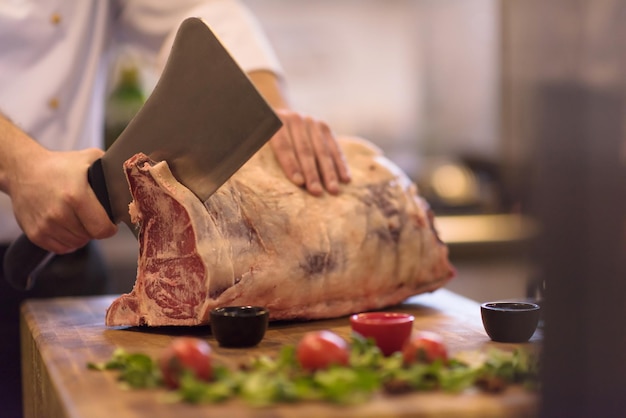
point(309, 154)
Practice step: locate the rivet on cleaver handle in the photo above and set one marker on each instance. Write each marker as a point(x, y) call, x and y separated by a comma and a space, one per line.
point(204, 117)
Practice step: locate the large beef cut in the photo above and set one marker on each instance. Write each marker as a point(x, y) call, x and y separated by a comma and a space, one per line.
point(261, 240)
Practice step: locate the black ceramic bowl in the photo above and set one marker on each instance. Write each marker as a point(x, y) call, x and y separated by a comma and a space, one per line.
point(510, 322)
point(239, 326)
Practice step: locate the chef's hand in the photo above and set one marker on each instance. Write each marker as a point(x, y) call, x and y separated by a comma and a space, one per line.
point(305, 148)
point(309, 154)
point(53, 202)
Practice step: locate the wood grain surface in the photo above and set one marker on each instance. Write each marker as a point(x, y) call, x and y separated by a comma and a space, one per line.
point(60, 336)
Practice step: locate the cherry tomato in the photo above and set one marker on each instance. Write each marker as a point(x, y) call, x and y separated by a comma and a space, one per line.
point(185, 353)
point(424, 347)
point(320, 349)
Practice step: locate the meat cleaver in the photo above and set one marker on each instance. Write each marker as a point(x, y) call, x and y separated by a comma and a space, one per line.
point(204, 117)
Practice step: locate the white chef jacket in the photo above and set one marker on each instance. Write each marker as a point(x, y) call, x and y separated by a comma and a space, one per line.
point(53, 61)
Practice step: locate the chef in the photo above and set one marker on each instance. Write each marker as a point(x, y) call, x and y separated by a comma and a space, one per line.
point(53, 62)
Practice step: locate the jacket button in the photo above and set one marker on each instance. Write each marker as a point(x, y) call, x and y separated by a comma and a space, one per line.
point(55, 18)
point(53, 103)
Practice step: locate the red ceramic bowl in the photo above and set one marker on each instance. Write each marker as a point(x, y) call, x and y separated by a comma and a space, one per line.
point(390, 330)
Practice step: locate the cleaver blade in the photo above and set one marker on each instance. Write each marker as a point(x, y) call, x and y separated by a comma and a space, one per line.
point(204, 117)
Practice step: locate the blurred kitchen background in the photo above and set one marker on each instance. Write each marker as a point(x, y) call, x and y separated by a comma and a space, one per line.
point(423, 79)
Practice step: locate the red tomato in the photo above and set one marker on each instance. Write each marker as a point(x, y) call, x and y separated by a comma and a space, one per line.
point(186, 353)
point(424, 347)
point(320, 349)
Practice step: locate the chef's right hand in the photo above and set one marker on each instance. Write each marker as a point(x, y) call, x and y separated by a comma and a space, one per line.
point(53, 201)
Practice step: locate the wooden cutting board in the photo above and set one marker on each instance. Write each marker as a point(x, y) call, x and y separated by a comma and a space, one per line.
point(60, 336)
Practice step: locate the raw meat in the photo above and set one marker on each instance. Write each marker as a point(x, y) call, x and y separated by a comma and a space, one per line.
point(260, 240)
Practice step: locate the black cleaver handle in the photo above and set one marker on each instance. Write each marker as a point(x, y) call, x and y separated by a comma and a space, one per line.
point(24, 260)
point(95, 175)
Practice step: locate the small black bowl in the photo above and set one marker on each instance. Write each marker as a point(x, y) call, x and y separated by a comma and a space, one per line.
point(239, 326)
point(510, 322)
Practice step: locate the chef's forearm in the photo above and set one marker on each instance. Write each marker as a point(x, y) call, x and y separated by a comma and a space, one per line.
point(15, 146)
point(271, 87)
